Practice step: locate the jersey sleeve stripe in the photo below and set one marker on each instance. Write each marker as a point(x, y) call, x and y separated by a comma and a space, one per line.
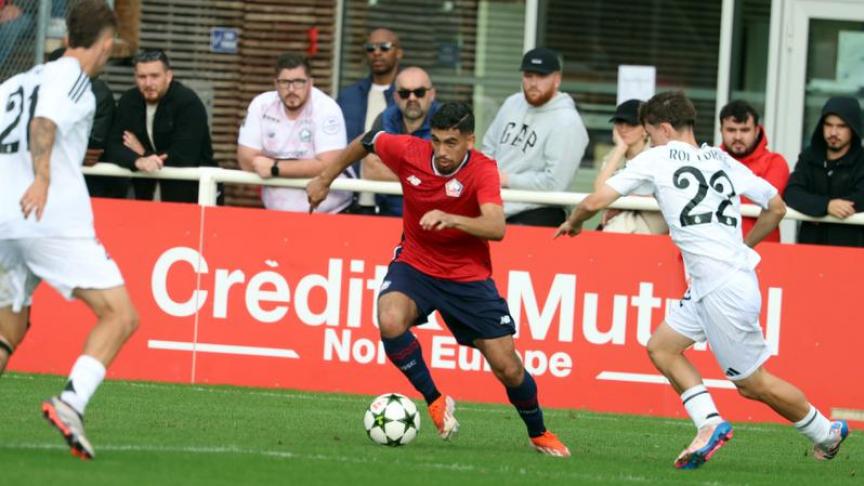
point(83, 89)
point(79, 83)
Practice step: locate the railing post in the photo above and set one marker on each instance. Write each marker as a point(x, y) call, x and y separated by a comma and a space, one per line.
point(207, 187)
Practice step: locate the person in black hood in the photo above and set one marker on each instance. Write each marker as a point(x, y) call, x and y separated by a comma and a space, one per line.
point(829, 176)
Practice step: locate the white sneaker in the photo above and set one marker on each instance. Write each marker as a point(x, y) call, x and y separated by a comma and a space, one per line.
point(836, 435)
point(65, 419)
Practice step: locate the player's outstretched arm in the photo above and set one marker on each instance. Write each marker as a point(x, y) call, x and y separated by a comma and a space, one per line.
point(42, 134)
point(490, 225)
point(586, 209)
point(319, 187)
point(766, 222)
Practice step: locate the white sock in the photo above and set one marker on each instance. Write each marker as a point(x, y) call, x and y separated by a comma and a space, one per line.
point(814, 426)
point(700, 406)
point(86, 376)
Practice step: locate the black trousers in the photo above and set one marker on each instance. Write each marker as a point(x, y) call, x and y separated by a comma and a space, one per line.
point(551, 216)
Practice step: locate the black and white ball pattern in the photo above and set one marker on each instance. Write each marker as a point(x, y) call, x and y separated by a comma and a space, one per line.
point(392, 419)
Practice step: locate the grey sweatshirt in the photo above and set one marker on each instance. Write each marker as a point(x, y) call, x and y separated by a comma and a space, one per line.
point(539, 148)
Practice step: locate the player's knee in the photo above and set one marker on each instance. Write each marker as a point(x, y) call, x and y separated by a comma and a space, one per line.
point(392, 323)
point(511, 373)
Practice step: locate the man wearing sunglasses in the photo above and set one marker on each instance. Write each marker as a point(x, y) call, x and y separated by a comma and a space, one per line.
point(295, 131)
point(160, 122)
point(364, 100)
point(538, 139)
point(415, 105)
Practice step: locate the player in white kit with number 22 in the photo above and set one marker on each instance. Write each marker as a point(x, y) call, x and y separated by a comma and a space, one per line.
point(698, 191)
point(46, 222)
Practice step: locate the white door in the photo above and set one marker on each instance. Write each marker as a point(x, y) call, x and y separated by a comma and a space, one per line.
point(816, 51)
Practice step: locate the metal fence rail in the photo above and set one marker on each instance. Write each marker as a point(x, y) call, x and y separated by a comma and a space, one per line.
point(209, 177)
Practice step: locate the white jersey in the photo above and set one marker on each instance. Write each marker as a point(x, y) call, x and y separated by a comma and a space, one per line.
point(59, 91)
point(698, 190)
point(319, 128)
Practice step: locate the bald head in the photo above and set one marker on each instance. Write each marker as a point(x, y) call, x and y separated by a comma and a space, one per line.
point(383, 54)
point(411, 83)
point(383, 35)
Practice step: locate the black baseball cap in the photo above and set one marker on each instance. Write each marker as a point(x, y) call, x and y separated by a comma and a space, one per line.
point(627, 112)
point(541, 60)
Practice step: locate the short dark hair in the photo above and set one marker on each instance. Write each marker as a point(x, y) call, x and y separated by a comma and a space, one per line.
point(739, 111)
point(672, 107)
point(87, 20)
point(291, 60)
point(453, 115)
point(150, 56)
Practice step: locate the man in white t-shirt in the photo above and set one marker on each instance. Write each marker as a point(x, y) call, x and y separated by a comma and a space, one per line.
point(294, 131)
point(46, 222)
point(698, 190)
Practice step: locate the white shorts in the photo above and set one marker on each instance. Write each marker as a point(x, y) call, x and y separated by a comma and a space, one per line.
point(728, 317)
point(65, 263)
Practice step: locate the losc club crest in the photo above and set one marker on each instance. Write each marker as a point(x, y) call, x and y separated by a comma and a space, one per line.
point(453, 188)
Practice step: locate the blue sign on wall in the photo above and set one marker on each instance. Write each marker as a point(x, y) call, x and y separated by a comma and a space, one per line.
point(224, 39)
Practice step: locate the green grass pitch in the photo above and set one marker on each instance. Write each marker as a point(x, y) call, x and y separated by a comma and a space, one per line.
point(150, 433)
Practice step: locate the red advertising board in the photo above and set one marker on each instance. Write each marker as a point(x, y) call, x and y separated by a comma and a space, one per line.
point(264, 298)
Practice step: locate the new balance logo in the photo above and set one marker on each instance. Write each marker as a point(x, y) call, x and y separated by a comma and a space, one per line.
point(414, 180)
point(732, 372)
point(505, 320)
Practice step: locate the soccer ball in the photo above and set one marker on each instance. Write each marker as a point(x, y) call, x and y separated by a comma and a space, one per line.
point(392, 419)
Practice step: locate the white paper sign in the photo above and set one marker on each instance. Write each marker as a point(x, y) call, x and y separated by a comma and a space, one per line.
point(635, 82)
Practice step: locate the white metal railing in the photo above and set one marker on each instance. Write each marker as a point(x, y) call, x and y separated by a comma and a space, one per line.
point(209, 177)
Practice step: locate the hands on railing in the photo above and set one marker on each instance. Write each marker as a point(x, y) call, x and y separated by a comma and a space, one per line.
point(209, 177)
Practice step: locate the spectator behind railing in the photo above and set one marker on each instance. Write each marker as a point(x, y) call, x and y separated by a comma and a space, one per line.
point(538, 139)
point(415, 106)
point(160, 123)
point(294, 131)
point(829, 176)
point(630, 139)
point(364, 100)
point(745, 140)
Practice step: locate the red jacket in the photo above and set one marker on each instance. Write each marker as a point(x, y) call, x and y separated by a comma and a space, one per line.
point(768, 165)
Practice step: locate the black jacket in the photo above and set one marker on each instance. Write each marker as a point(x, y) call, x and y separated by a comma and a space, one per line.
point(180, 129)
point(815, 180)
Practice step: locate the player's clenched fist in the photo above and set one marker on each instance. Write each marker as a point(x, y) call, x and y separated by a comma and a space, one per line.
point(437, 220)
point(316, 191)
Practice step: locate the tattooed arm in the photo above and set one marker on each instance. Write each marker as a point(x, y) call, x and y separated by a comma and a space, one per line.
point(42, 133)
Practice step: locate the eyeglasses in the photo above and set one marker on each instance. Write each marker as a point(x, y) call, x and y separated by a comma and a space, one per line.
point(150, 56)
point(298, 83)
point(382, 46)
point(418, 92)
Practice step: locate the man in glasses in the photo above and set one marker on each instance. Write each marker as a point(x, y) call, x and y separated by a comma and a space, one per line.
point(364, 100)
point(538, 139)
point(415, 105)
point(293, 131)
point(160, 122)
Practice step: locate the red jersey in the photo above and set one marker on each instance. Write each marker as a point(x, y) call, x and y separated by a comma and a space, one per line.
point(449, 254)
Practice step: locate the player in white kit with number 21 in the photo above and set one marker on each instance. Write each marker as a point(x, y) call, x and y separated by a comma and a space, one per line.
point(698, 191)
point(46, 222)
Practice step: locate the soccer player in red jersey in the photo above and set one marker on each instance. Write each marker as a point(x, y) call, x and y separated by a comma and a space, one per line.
point(452, 208)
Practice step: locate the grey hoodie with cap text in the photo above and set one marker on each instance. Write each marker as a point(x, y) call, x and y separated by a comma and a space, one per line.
point(539, 148)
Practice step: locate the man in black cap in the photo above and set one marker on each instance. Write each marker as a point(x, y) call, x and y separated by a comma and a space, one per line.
point(829, 176)
point(538, 139)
